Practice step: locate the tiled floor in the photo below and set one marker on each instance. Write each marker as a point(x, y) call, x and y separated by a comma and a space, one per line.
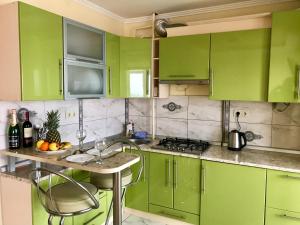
point(135, 220)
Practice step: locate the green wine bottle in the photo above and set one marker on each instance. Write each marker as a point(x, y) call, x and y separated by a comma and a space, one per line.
point(14, 134)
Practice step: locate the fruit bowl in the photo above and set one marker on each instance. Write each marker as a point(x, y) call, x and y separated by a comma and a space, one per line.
point(45, 147)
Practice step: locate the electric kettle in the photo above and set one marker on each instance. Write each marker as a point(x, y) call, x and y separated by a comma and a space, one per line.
point(235, 140)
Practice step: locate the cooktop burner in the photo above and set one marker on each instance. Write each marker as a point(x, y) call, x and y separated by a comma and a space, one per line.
point(182, 145)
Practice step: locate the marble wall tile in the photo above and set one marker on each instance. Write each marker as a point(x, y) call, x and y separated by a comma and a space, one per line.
point(140, 107)
point(204, 130)
point(95, 129)
point(115, 108)
point(142, 123)
point(171, 127)
point(258, 112)
point(115, 125)
point(178, 113)
point(94, 109)
point(260, 129)
point(68, 133)
point(286, 137)
point(3, 145)
point(201, 108)
point(291, 116)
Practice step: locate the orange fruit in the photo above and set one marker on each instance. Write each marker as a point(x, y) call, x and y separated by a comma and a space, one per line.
point(44, 146)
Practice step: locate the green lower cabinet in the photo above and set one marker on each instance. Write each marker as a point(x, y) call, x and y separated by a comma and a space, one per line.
point(137, 195)
point(285, 57)
point(174, 214)
point(161, 180)
point(240, 65)
point(232, 194)
point(80, 175)
point(283, 190)
point(90, 217)
point(187, 184)
point(39, 214)
point(281, 217)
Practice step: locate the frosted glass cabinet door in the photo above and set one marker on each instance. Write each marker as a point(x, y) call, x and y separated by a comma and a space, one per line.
point(83, 42)
point(84, 80)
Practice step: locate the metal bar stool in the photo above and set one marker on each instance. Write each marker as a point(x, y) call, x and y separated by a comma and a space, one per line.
point(68, 198)
point(105, 181)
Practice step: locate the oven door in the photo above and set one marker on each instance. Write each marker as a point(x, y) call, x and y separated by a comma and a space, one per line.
point(84, 80)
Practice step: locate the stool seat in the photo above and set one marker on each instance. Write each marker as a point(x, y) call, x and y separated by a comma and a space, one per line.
point(69, 198)
point(105, 181)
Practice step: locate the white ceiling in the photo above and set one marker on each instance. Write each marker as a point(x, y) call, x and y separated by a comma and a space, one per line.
point(140, 8)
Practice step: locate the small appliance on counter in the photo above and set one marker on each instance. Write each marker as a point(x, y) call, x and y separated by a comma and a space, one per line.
point(235, 140)
point(188, 146)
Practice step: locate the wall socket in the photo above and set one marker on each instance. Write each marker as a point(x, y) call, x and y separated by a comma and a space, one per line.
point(70, 114)
point(243, 113)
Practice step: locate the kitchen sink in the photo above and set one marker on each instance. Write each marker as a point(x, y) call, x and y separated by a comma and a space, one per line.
point(140, 141)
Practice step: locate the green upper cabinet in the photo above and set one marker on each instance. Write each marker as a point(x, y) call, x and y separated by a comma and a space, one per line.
point(41, 50)
point(232, 194)
point(184, 179)
point(137, 195)
point(285, 57)
point(135, 64)
point(112, 65)
point(240, 65)
point(161, 180)
point(184, 57)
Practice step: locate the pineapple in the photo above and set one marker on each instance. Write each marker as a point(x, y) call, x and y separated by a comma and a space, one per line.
point(52, 124)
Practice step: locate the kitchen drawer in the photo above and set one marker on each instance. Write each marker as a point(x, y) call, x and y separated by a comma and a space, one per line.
point(283, 190)
point(281, 217)
point(174, 214)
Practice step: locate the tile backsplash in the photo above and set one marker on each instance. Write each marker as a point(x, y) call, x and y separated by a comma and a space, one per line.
point(102, 117)
point(200, 118)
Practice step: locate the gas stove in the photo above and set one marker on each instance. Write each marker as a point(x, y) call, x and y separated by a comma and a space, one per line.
point(182, 145)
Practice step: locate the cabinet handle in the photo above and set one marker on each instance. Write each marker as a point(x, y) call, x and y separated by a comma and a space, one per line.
point(61, 83)
point(298, 82)
point(291, 177)
point(171, 215)
point(147, 81)
point(285, 215)
point(211, 79)
point(168, 170)
point(175, 174)
point(203, 179)
point(144, 159)
point(188, 75)
point(110, 80)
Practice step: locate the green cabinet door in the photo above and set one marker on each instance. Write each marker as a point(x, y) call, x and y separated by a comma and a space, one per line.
point(137, 195)
point(283, 190)
point(184, 57)
point(135, 64)
point(95, 216)
point(41, 46)
point(187, 184)
point(39, 214)
point(161, 180)
point(232, 194)
point(240, 65)
point(112, 65)
point(281, 217)
point(285, 57)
